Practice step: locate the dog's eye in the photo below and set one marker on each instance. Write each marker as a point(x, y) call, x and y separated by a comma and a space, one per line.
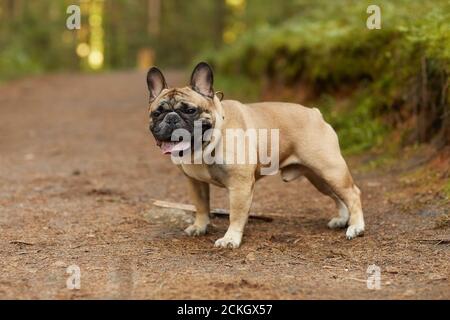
point(157, 112)
point(188, 110)
point(191, 111)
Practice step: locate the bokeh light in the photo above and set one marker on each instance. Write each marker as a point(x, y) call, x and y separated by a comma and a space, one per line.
point(83, 50)
point(95, 59)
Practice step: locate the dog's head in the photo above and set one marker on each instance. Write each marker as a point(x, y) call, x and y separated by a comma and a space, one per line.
point(179, 108)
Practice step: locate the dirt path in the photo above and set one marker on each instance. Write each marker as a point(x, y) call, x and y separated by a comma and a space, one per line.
point(79, 170)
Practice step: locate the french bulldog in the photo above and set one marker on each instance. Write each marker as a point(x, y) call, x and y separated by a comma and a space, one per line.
point(305, 145)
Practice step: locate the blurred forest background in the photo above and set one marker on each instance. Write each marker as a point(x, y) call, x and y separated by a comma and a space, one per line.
point(380, 88)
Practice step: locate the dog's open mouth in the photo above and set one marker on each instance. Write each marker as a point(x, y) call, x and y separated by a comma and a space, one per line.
point(167, 147)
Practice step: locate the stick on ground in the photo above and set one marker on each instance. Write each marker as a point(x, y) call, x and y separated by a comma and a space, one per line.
point(217, 212)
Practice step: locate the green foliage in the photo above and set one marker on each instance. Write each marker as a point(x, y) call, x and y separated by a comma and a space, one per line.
point(328, 47)
point(236, 87)
point(358, 130)
point(34, 39)
point(14, 61)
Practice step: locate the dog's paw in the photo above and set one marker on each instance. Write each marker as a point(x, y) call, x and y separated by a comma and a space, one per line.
point(337, 223)
point(230, 240)
point(195, 230)
point(354, 230)
point(226, 242)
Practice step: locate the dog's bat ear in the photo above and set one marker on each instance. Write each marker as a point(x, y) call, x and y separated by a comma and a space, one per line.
point(202, 80)
point(155, 82)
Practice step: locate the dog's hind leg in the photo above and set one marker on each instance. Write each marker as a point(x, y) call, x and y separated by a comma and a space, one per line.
point(348, 195)
point(352, 199)
point(336, 182)
point(295, 171)
point(321, 185)
point(344, 215)
point(327, 163)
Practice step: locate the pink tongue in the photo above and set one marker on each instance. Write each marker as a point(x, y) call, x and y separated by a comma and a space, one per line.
point(170, 146)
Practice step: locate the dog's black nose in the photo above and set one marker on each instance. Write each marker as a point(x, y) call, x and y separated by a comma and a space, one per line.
point(172, 118)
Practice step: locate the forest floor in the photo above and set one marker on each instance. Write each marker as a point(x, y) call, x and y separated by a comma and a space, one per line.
point(79, 172)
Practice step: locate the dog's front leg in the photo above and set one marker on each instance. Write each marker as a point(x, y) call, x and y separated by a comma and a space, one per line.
point(240, 202)
point(199, 192)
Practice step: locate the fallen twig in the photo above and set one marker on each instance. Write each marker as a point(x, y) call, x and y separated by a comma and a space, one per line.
point(217, 212)
point(21, 242)
point(355, 279)
point(438, 241)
